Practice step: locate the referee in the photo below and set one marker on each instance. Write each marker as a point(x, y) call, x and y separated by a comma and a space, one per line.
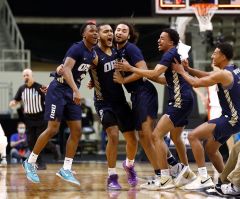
point(33, 100)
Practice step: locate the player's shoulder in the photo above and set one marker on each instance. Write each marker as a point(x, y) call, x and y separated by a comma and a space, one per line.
point(131, 46)
point(78, 44)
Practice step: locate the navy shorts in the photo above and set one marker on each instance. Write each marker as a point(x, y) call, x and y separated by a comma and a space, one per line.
point(59, 103)
point(179, 116)
point(115, 114)
point(144, 104)
point(224, 129)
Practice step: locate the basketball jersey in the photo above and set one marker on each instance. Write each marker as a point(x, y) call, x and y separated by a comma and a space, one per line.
point(229, 97)
point(132, 54)
point(178, 88)
point(83, 57)
point(102, 75)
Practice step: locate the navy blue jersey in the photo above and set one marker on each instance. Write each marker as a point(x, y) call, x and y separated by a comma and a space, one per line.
point(178, 87)
point(102, 75)
point(83, 57)
point(133, 55)
point(229, 97)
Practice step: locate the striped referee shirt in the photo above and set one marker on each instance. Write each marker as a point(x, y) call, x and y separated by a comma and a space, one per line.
point(32, 99)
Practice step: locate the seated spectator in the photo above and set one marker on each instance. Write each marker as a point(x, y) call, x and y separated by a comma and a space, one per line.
point(3, 146)
point(18, 142)
point(229, 180)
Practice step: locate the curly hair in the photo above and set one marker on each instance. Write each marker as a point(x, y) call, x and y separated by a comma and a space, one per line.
point(132, 33)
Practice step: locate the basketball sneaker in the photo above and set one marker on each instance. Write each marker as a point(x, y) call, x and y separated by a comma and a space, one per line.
point(186, 176)
point(30, 170)
point(3, 162)
point(227, 189)
point(131, 174)
point(166, 182)
point(67, 175)
point(199, 183)
point(112, 182)
point(152, 184)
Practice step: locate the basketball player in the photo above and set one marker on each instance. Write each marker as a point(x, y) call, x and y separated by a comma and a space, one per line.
point(217, 131)
point(143, 95)
point(179, 108)
point(63, 99)
point(112, 108)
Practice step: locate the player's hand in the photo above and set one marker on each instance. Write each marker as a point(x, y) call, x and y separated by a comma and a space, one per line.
point(44, 89)
point(60, 69)
point(118, 78)
point(77, 97)
point(185, 64)
point(90, 84)
point(122, 65)
point(177, 67)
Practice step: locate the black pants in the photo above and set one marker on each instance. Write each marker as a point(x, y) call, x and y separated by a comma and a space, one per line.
point(34, 130)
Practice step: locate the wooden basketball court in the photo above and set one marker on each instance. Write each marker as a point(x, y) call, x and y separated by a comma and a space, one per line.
point(92, 176)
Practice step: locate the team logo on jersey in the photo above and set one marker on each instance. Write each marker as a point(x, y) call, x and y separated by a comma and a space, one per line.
point(53, 111)
point(109, 66)
point(84, 67)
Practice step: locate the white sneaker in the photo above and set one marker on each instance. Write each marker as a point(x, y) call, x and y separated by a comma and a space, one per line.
point(4, 162)
point(228, 189)
point(166, 182)
point(185, 178)
point(152, 184)
point(199, 183)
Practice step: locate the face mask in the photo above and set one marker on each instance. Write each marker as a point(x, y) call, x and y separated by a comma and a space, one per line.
point(21, 130)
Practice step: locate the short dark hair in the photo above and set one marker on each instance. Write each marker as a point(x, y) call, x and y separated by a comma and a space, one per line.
point(173, 34)
point(102, 24)
point(226, 49)
point(83, 27)
point(132, 32)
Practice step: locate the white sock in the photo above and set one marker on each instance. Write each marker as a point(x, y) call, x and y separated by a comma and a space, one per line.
point(112, 171)
point(165, 172)
point(32, 158)
point(67, 165)
point(129, 163)
point(203, 171)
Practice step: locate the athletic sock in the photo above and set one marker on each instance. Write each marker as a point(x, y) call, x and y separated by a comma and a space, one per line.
point(157, 172)
point(129, 163)
point(203, 171)
point(112, 171)
point(67, 165)
point(32, 158)
point(171, 160)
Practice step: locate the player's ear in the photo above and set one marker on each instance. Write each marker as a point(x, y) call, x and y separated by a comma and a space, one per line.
point(128, 36)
